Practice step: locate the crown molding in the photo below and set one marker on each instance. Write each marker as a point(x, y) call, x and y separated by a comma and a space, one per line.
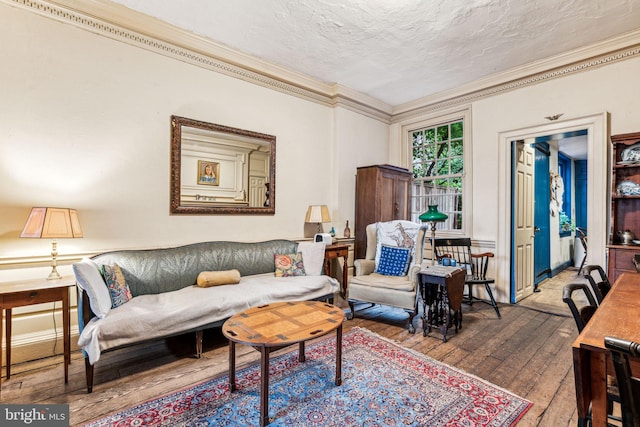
point(134, 28)
point(578, 60)
point(356, 101)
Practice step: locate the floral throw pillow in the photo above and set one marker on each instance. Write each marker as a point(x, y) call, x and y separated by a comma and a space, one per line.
point(289, 265)
point(118, 288)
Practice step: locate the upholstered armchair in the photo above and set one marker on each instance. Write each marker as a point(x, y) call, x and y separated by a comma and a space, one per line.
point(376, 281)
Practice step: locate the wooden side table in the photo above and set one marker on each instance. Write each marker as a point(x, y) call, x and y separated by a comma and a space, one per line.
point(37, 291)
point(334, 252)
point(441, 291)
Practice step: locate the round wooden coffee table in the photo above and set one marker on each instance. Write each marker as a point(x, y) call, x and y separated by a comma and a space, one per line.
point(270, 327)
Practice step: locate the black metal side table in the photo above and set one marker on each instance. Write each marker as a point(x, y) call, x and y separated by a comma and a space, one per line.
point(441, 290)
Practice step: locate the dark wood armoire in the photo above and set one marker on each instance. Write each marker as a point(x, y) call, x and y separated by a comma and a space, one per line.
point(382, 194)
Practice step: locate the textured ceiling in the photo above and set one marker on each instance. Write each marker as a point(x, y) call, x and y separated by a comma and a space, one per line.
point(399, 50)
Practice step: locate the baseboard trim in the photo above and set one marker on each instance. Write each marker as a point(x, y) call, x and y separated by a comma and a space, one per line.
point(37, 346)
point(560, 268)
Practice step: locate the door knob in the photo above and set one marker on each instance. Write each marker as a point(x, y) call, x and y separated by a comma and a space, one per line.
point(536, 229)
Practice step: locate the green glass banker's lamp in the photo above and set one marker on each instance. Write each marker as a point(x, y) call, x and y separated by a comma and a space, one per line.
point(433, 215)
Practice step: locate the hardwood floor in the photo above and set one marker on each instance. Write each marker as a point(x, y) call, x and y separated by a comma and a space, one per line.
point(528, 352)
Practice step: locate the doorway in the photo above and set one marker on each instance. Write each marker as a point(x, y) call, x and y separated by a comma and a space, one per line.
point(597, 194)
point(550, 236)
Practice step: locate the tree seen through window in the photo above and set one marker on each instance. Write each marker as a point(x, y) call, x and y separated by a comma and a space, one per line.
point(438, 171)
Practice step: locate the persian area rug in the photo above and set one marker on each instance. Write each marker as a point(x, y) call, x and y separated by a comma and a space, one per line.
point(383, 384)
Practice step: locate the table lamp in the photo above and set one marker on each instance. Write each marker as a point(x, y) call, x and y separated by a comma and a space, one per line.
point(433, 216)
point(52, 223)
point(318, 214)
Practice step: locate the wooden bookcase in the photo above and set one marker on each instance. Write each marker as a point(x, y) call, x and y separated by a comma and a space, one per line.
point(625, 207)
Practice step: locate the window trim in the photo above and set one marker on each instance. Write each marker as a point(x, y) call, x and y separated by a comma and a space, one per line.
point(464, 114)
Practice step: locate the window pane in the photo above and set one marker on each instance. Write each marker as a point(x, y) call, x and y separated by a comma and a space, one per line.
point(456, 183)
point(429, 168)
point(457, 222)
point(443, 150)
point(429, 136)
point(429, 152)
point(456, 166)
point(419, 170)
point(417, 138)
point(418, 153)
point(443, 133)
point(456, 130)
point(456, 147)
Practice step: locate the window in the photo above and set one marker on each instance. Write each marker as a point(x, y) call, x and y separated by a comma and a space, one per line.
point(438, 172)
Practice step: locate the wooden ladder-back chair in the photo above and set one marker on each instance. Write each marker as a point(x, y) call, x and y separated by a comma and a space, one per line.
point(598, 280)
point(628, 385)
point(582, 313)
point(582, 235)
point(476, 264)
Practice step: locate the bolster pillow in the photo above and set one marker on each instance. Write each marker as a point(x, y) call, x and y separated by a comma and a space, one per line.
point(215, 278)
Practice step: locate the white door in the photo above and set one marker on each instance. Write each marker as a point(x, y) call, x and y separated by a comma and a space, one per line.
point(523, 221)
point(257, 191)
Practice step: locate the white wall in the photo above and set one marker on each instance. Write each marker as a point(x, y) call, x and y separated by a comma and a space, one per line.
point(85, 124)
point(360, 141)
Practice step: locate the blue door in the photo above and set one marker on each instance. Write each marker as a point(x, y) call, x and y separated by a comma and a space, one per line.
point(581, 193)
point(542, 242)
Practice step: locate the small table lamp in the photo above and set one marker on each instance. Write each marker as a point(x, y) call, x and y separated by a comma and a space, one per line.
point(318, 214)
point(433, 216)
point(52, 223)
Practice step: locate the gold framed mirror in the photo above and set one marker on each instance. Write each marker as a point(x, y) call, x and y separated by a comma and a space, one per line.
point(217, 169)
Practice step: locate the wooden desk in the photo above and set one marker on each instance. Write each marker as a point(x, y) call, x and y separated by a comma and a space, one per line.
point(618, 316)
point(38, 291)
point(333, 252)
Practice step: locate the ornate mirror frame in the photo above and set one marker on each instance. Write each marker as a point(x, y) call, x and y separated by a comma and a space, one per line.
point(229, 187)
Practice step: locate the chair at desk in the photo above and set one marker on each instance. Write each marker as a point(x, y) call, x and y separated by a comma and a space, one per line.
point(476, 264)
point(628, 385)
point(636, 262)
point(581, 314)
point(598, 280)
